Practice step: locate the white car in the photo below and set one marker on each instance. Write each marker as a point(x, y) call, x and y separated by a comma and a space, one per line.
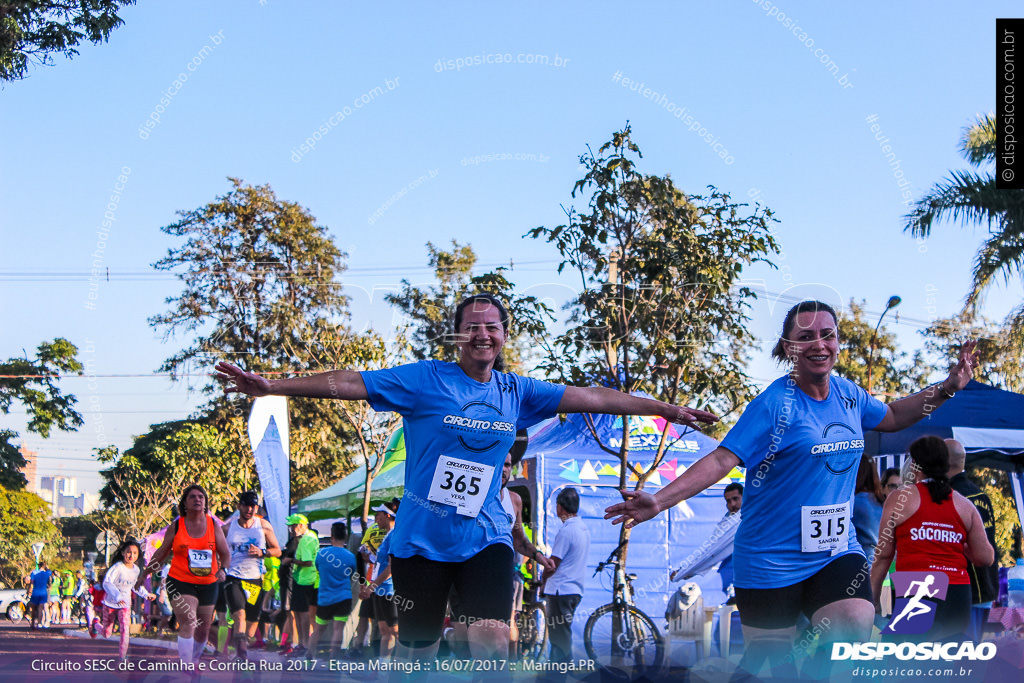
point(13, 603)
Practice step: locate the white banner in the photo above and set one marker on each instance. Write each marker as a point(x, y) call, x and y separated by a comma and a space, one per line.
point(268, 435)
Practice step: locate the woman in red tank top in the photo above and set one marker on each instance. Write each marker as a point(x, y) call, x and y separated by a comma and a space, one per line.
point(199, 555)
point(933, 530)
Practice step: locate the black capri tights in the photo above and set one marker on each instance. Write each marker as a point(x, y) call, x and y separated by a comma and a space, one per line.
point(483, 582)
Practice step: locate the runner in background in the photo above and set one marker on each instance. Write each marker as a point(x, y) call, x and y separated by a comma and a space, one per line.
point(304, 594)
point(117, 587)
point(380, 591)
point(199, 557)
point(460, 420)
point(335, 566)
point(39, 580)
point(250, 539)
point(286, 580)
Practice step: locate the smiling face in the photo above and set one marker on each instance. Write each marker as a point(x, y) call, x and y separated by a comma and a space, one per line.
point(480, 335)
point(812, 344)
point(130, 554)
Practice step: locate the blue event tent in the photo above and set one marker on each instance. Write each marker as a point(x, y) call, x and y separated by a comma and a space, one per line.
point(989, 422)
point(565, 453)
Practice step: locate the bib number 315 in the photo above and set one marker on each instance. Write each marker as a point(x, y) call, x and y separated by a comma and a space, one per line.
point(462, 483)
point(824, 527)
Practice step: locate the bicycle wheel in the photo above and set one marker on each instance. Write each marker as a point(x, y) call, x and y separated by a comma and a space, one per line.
point(532, 633)
point(624, 642)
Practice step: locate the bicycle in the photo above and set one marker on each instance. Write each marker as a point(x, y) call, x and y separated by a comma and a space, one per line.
point(533, 630)
point(619, 637)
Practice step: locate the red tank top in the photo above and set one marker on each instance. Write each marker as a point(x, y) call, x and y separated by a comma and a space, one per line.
point(194, 560)
point(932, 540)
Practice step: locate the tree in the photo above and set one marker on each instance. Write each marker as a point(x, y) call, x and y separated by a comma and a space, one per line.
point(661, 308)
point(337, 346)
point(1001, 361)
point(24, 519)
point(36, 29)
point(258, 274)
point(429, 310)
point(33, 383)
point(144, 482)
point(259, 281)
point(893, 374)
point(973, 199)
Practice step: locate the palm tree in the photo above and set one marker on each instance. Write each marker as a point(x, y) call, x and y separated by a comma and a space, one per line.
point(972, 198)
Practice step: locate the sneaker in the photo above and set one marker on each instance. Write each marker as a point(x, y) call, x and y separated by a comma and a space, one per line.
point(259, 645)
point(297, 652)
point(287, 652)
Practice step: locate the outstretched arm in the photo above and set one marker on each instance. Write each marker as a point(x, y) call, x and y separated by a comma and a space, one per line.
point(639, 506)
point(909, 410)
point(612, 402)
point(343, 384)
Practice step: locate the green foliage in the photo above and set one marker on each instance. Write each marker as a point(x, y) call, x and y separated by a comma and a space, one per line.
point(430, 310)
point(258, 274)
point(973, 199)
point(893, 373)
point(145, 481)
point(24, 519)
point(661, 308)
point(259, 287)
point(33, 384)
point(36, 29)
point(1001, 358)
point(996, 484)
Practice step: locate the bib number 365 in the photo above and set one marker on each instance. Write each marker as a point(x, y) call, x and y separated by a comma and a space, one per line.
point(461, 483)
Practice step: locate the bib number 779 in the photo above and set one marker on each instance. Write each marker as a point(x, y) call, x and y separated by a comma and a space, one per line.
point(458, 484)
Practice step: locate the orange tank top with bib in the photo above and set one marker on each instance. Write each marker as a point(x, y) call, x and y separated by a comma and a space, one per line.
point(194, 560)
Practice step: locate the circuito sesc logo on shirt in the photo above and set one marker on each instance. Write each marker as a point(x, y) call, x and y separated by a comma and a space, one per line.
point(838, 442)
point(480, 427)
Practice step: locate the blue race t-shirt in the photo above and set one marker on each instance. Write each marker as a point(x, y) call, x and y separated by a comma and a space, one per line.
point(447, 414)
point(40, 579)
point(801, 456)
point(336, 566)
point(386, 588)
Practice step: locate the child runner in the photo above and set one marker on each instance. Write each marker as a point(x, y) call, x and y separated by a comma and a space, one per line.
point(117, 585)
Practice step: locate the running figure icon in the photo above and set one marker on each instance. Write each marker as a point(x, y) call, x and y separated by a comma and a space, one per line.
point(914, 607)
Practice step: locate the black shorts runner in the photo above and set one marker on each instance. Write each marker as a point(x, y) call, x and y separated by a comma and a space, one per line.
point(843, 578)
point(206, 593)
point(303, 597)
point(366, 608)
point(244, 594)
point(385, 609)
point(337, 611)
point(484, 584)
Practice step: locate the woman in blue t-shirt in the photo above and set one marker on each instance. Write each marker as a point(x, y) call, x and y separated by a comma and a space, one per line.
point(800, 440)
point(460, 420)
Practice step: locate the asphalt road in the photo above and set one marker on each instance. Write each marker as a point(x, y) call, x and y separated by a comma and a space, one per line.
point(48, 655)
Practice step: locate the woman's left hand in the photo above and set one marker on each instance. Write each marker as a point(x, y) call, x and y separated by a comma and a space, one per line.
point(690, 416)
point(961, 373)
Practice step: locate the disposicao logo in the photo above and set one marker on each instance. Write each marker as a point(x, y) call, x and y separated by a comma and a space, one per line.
point(917, 596)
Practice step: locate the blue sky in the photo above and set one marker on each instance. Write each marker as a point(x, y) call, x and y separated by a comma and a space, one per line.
point(480, 152)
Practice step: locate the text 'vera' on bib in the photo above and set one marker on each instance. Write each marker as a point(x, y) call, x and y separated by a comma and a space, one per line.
point(825, 528)
point(461, 483)
point(200, 562)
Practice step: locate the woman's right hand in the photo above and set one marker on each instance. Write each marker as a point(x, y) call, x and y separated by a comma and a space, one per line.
point(638, 506)
point(236, 379)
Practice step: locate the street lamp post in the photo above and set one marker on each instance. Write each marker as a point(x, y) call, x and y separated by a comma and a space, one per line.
point(893, 302)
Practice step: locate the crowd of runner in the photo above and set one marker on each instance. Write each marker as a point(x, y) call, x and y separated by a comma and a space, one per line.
point(436, 562)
